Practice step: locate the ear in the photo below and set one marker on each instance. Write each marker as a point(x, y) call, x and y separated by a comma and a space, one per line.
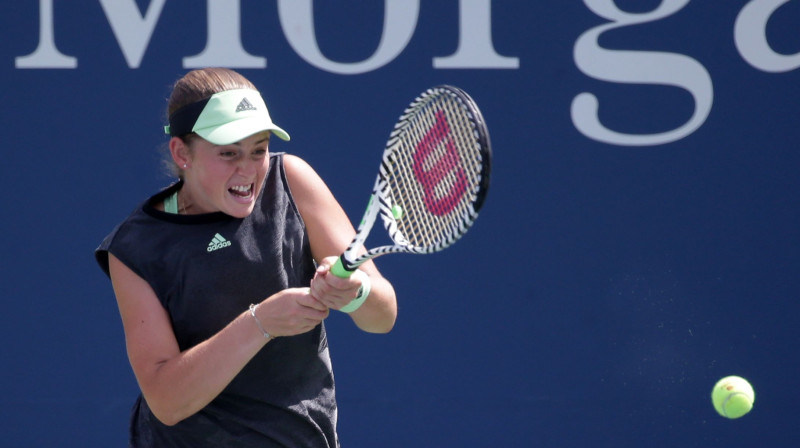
point(180, 152)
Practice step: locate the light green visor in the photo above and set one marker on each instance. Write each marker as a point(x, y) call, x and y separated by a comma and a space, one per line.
point(225, 118)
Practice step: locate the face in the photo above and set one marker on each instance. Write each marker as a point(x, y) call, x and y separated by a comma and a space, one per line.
point(224, 178)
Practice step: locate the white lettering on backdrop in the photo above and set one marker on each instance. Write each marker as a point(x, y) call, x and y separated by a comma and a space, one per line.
point(297, 20)
point(46, 54)
point(224, 46)
point(750, 36)
point(133, 31)
point(659, 68)
point(636, 67)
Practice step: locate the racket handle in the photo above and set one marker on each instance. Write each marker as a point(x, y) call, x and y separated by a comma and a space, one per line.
point(339, 270)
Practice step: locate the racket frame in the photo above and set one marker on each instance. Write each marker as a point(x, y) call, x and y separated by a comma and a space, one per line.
point(379, 201)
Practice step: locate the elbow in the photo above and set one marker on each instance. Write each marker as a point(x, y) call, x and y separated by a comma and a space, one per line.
point(166, 416)
point(169, 418)
point(386, 324)
point(166, 413)
point(168, 421)
point(378, 326)
point(376, 329)
point(168, 404)
point(380, 313)
point(385, 327)
point(386, 330)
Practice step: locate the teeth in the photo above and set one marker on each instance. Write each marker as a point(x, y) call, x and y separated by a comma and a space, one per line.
point(241, 188)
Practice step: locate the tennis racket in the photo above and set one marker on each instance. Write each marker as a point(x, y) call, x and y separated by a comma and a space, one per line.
point(432, 181)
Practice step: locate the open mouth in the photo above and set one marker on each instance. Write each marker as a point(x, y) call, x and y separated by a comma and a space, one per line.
point(241, 191)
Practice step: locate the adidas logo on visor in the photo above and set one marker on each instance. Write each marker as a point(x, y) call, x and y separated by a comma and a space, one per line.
point(244, 105)
point(218, 242)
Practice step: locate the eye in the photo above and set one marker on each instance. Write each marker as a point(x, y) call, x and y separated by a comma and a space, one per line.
point(259, 152)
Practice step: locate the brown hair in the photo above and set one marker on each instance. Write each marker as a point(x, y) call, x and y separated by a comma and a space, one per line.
point(198, 85)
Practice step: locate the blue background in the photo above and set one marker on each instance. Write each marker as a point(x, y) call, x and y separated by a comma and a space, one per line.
point(600, 295)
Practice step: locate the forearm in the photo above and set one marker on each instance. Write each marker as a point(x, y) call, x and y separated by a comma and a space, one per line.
point(181, 386)
point(379, 311)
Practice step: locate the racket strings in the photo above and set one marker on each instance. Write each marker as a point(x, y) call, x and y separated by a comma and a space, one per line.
point(434, 173)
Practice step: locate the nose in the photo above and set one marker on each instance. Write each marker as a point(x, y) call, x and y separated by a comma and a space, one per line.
point(248, 166)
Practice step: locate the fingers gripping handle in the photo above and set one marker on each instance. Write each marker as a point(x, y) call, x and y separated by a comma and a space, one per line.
point(338, 269)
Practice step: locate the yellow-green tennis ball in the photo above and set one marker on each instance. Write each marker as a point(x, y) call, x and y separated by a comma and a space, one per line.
point(733, 397)
point(397, 212)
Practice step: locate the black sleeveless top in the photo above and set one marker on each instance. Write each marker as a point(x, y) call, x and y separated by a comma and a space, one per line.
point(206, 270)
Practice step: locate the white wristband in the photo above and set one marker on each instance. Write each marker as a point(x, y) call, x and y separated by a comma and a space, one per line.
point(363, 293)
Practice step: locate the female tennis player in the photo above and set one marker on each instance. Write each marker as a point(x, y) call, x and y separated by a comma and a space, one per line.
point(222, 281)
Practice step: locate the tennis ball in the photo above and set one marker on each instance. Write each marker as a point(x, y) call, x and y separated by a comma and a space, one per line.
point(397, 211)
point(733, 397)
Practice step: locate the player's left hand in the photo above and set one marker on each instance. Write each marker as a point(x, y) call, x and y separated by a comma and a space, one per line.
point(333, 291)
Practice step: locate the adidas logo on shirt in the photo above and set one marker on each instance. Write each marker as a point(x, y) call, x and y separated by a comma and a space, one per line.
point(244, 105)
point(218, 242)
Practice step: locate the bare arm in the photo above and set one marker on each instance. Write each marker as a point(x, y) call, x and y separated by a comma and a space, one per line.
point(330, 231)
point(178, 384)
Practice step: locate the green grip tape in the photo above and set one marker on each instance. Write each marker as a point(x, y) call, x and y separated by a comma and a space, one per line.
point(339, 270)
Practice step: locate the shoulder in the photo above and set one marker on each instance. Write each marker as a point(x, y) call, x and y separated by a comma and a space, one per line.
point(117, 240)
point(295, 166)
point(303, 180)
point(136, 230)
point(311, 194)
